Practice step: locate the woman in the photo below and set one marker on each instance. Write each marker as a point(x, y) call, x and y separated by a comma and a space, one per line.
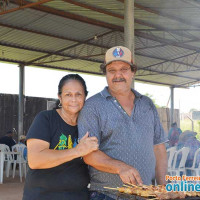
point(57, 170)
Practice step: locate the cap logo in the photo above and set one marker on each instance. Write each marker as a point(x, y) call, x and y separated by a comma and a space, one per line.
point(118, 52)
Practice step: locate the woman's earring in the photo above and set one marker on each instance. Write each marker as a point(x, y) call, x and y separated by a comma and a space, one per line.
point(60, 105)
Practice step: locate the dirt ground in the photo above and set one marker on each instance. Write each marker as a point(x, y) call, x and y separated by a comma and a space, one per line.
point(11, 189)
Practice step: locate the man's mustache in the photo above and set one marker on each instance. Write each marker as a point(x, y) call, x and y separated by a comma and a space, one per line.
point(119, 80)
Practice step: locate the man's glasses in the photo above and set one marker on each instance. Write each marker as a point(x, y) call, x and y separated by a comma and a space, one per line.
point(123, 70)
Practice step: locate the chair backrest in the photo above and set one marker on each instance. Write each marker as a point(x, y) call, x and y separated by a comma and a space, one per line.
point(184, 151)
point(19, 148)
point(195, 157)
point(171, 152)
point(5, 148)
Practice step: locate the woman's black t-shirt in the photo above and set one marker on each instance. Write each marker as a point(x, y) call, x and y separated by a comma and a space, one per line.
point(67, 181)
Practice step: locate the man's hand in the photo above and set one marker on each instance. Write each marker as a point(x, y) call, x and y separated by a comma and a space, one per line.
point(87, 145)
point(129, 174)
point(100, 161)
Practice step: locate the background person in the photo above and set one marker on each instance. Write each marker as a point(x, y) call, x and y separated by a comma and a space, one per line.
point(126, 123)
point(22, 140)
point(188, 139)
point(57, 170)
point(174, 134)
point(8, 139)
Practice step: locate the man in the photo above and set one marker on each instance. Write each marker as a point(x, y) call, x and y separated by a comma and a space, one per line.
point(8, 139)
point(126, 123)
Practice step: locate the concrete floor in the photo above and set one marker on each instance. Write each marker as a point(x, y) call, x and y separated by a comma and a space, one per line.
point(11, 189)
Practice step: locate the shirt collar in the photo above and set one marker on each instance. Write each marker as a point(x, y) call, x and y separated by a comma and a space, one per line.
point(105, 93)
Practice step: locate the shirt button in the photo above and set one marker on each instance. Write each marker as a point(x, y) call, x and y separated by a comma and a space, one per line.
point(115, 100)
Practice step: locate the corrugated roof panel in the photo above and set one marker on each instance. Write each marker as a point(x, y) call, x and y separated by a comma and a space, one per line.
point(184, 10)
point(164, 79)
point(85, 50)
point(66, 27)
point(22, 17)
point(112, 39)
point(166, 51)
point(194, 32)
point(36, 20)
point(68, 7)
point(162, 4)
point(159, 20)
point(195, 44)
point(142, 61)
point(18, 54)
point(192, 74)
point(34, 40)
point(110, 5)
point(169, 35)
point(78, 65)
point(142, 43)
point(152, 55)
point(4, 31)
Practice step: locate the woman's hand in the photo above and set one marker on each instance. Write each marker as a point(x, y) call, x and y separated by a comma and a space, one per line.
point(87, 145)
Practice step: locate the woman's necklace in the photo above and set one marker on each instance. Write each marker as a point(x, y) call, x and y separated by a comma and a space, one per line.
point(71, 121)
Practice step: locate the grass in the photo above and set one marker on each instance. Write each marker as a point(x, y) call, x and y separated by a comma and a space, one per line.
point(187, 125)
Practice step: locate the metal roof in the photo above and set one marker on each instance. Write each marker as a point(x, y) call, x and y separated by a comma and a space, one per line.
point(75, 34)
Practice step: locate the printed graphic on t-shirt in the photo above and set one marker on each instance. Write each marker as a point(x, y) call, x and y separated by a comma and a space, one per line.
point(65, 143)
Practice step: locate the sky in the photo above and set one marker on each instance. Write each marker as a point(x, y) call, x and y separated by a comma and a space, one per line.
point(40, 82)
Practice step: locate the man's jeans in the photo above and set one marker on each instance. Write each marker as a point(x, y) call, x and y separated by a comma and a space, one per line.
point(99, 196)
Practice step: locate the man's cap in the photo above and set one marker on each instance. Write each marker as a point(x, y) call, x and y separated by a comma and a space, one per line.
point(22, 137)
point(118, 53)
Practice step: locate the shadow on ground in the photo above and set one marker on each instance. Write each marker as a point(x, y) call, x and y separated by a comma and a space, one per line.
point(11, 189)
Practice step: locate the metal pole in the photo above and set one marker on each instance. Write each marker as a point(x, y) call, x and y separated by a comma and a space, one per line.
point(172, 105)
point(129, 27)
point(21, 101)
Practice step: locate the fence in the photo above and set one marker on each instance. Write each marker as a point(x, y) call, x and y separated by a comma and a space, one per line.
point(33, 105)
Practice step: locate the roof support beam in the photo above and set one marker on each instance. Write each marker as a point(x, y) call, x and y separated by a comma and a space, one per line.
point(76, 57)
point(79, 42)
point(21, 101)
point(96, 22)
point(64, 49)
point(48, 34)
point(71, 16)
point(97, 73)
point(174, 60)
point(167, 41)
point(86, 20)
point(47, 52)
point(89, 7)
point(171, 74)
point(164, 14)
point(157, 27)
point(157, 83)
point(28, 5)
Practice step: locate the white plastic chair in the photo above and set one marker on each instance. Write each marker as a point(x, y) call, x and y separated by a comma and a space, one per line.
point(7, 158)
point(170, 152)
point(195, 170)
point(20, 160)
point(181, 167)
